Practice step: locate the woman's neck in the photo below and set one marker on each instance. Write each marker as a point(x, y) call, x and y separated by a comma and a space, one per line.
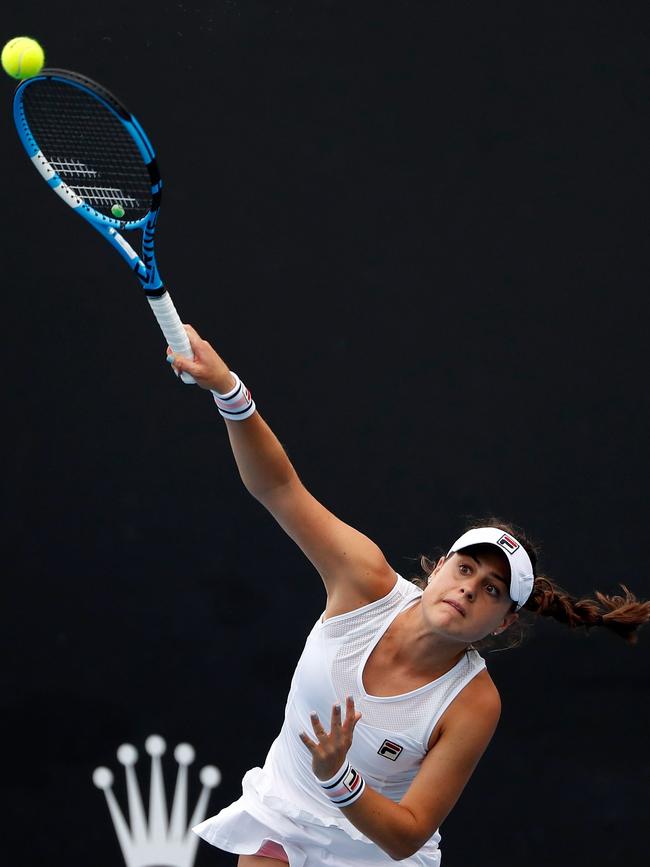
point(416, 647)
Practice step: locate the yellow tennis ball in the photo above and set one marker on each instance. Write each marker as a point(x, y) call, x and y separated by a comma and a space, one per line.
point(22, 57)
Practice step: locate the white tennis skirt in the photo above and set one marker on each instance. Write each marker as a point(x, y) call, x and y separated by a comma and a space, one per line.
point(243, 827)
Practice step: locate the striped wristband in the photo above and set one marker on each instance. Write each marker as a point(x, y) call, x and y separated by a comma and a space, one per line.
point(345, 787)
point(236, 404)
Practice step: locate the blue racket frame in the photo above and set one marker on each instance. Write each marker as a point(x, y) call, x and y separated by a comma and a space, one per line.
point(145, 268)
point(111, 228)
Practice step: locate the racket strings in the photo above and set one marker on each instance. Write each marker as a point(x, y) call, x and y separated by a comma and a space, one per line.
point(89, 148)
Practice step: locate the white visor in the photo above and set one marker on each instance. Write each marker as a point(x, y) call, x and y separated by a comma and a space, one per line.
point(521, 569)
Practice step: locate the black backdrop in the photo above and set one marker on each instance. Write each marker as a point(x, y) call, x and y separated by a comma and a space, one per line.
point(418, 230)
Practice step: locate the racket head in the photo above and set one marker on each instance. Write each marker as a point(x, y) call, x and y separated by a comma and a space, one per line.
point(89, 148)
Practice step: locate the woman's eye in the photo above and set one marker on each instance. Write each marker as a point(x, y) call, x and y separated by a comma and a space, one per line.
point(493, 590)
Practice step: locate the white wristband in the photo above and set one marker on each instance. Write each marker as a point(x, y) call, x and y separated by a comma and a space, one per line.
point(236, 404)
point(345, 787)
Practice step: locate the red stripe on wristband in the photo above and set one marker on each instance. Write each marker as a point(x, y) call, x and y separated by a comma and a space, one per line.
point(345, 787)
point(236, 404)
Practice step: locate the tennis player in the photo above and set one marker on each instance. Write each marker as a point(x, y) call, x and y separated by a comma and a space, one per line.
point(391, 706)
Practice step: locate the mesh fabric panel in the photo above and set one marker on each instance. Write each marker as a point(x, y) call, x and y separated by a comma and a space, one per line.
point(415, 711)
point(88, 147)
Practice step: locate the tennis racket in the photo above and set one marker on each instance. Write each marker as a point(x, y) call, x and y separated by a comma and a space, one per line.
point(95, 155)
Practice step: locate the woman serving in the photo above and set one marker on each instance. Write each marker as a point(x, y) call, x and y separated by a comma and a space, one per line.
point(391, 706)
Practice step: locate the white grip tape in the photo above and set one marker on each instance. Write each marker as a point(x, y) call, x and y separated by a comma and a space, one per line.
point(172, 327)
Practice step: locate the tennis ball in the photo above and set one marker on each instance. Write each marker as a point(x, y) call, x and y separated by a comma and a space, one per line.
point(117, 211)
point(22, 57)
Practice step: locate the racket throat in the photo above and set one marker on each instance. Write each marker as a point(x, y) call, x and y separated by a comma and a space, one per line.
point(145, 268)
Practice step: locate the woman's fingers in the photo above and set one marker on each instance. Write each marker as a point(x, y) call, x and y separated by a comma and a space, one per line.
point(193, 336)
point(307, 741)
point(338, 727)
point(317, 726)
point(179, 363)
point(329, 750)
point(352, 716)
point(196, 366)
point(171, 359)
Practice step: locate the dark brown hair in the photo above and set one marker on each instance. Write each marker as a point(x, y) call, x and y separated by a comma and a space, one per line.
point(622, 614)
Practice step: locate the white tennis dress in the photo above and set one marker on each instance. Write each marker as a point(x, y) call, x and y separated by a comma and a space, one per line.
point(284, 802)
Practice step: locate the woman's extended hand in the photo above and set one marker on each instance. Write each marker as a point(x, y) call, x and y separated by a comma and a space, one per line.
point(207, 368)
point(330, 750)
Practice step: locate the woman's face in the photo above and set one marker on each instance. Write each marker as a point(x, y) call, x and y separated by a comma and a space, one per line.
point(468, 596)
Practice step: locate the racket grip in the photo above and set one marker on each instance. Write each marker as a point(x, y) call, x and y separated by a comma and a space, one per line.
point(172, 327)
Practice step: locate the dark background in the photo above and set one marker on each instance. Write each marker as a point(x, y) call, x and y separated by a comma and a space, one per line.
point(418, 231)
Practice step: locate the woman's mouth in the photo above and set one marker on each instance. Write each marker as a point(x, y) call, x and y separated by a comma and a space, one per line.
point(455, 605)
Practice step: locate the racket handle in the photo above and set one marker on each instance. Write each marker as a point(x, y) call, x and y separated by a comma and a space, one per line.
point(172, 327)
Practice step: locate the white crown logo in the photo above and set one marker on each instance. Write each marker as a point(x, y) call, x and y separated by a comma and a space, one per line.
point(158, 841)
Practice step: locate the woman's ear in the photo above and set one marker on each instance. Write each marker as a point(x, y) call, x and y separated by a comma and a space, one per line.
point(508, 620)
point(437, 568)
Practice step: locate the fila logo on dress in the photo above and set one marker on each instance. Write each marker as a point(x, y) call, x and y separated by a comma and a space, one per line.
point(390, 750)
point(508, 543)
point(160, 838)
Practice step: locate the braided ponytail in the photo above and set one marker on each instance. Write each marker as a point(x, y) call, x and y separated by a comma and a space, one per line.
point(620, 614)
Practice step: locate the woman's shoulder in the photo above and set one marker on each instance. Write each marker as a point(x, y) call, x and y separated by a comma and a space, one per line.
point(478, 702)
point(479, 696)
point(380, 591)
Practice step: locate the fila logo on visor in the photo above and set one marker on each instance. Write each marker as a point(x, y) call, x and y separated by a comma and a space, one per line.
point(508, 543)
point(390, 750)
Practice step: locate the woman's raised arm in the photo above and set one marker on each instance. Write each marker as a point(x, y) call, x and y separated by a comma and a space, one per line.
point(352, 566)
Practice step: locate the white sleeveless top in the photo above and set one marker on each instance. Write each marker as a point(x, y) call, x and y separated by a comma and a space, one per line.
point(391, 739)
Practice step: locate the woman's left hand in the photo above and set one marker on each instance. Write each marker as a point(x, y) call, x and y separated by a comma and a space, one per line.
point(329, 751)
